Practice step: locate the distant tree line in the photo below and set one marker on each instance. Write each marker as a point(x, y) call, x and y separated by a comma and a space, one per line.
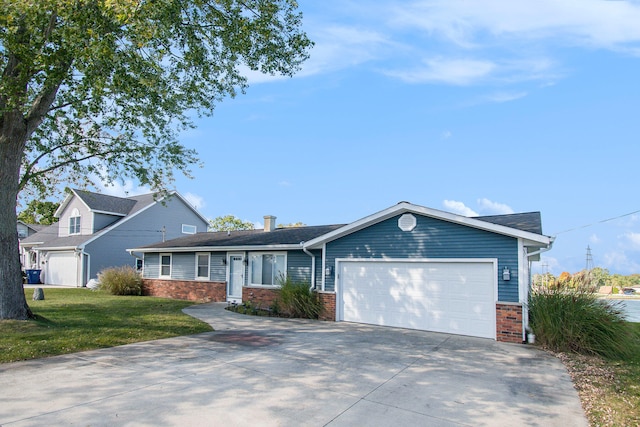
point(594, 279)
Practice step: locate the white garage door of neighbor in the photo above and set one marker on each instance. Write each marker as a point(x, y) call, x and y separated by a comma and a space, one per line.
point(62, 269)
point(450, 297)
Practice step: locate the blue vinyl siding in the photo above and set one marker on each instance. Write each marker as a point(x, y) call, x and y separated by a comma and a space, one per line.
point(218, 270)
point(183, 266)
point(431, 238)
point(299, 267)
point(151, 268)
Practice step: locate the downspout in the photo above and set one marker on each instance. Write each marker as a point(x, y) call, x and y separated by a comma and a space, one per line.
point(525, 314)
point(313, 266)
point(87, 274)
point(136, 256)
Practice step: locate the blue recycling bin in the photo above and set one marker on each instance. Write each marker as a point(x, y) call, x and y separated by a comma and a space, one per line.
point(33, 276)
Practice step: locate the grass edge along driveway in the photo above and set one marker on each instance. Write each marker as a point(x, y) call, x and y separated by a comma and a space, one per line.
point(79, 319)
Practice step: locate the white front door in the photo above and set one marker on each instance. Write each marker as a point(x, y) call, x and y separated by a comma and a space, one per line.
point(236, 277)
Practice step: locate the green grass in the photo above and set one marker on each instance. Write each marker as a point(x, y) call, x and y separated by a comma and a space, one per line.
point(72, 320)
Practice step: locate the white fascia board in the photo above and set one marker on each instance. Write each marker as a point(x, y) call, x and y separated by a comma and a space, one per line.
point(531, 238)
point(65, 202)
point(58, 248)
point(254, 248)
point(30, 244)
point(107, 212)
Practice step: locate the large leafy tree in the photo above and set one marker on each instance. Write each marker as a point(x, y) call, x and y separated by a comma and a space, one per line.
point(99, 89)
point(39, 212)
point(229, 223)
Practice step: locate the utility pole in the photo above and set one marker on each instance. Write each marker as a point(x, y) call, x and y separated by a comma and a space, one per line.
point(164, 231)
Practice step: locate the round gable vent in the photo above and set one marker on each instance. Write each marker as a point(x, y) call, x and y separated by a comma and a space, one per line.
point(407, 222)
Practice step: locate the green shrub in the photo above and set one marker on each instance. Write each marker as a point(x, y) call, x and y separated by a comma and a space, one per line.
point(297, 300)
point(120, 281)
point(573, 320)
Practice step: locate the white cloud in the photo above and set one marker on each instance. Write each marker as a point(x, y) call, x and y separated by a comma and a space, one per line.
point(500, 97)
point(607, 24)
point(460, 72)
point(195, 200)
point(341, 46)
point(458, 208)
point(594, 238)
point(619, 262)
point(127, 189)
point(447, 134)
point(494, 208)
point(631, 240)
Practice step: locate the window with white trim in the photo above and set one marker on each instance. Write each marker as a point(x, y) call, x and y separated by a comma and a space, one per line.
point(74, 222)
point(165, 265)
point(266, 268)
point(189, 229)
point(202, 266)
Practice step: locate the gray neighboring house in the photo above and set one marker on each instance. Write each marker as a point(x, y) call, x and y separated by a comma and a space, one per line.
point(94, 230)
point(406, 266)
point(25, 230)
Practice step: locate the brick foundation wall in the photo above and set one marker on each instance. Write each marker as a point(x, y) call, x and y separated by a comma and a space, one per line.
point(190, 290)
point(509, 322)
point(328, 300)
point(262, 297)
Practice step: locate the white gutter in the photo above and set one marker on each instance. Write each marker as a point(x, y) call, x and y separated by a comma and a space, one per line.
point(545, 249)
point(313, 265)
point(250, 248)
point(525, 312)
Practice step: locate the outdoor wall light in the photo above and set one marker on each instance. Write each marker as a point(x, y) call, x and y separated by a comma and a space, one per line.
point(328, 270)
point(246, 261)
point(224, 261)
point(506, 274)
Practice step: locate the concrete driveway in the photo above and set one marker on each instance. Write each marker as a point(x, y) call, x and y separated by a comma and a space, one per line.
point(277, 372)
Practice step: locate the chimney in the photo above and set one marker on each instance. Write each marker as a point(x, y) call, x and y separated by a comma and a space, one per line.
point(269, 223)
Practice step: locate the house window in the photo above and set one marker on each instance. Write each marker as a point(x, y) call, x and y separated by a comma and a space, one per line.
point(202, 266)
point(74, 222)
point(266, 268)
point(189, 229)
point(165, 265)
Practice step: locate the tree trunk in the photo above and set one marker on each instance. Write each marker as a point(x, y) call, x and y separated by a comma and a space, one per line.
point(13, 131)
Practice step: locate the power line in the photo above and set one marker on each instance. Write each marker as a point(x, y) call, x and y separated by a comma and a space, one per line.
point(597, 222)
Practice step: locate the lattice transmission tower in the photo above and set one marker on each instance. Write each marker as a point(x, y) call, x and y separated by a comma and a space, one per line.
point(589, 266)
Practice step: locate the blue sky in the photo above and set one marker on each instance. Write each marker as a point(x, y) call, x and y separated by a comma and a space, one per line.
point(473, 107)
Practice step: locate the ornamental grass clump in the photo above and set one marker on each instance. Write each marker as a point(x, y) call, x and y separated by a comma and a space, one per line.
point(575, 320)
point(120, 281)
point(296, 299)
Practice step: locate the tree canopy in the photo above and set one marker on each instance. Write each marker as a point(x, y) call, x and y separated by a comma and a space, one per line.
point(229, 223)
point(39, 212)
point(103, 86)
point(99, 90)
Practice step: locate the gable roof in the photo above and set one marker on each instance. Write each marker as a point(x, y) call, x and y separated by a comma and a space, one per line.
point(491, 223)
point(280, 238)
point(128, 208)
point(103, 203)
point(527, 226)
point(527, 221)
point(34, 227)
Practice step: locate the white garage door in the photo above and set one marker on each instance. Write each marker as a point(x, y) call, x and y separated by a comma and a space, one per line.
point(61, 269)
point(452, 297)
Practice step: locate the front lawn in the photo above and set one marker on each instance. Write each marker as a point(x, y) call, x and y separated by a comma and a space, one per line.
point(72, 320)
